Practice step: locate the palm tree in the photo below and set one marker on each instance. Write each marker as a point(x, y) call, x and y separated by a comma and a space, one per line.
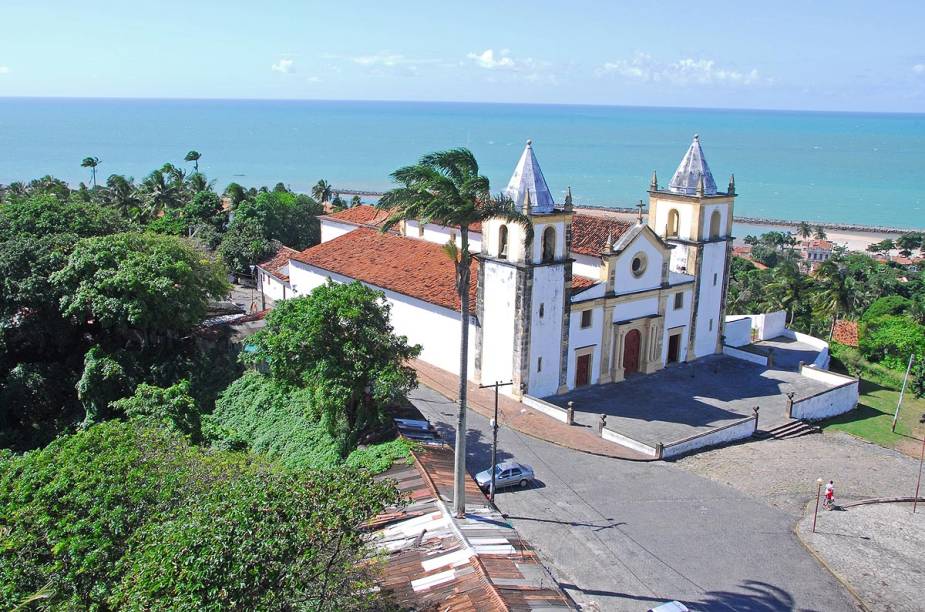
point(355, 201)
point(786, 288)
point(836, 295)
point(446, 188)
point(92, 163)
point(193, 156)
point(122, 195)
point(805, 231)
point(160, 194)
point(820, 233)
point(322, 191)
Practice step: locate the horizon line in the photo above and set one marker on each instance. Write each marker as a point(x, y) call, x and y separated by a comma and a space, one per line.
point(462, 102)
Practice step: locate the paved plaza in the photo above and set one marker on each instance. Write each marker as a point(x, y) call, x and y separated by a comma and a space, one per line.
point(786, 353)
point(689, 398)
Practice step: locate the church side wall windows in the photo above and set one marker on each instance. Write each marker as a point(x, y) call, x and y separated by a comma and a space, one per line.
point(679, 300)
point(673, 222)
point(502, 242)
point(714, 225)
point(549, 245)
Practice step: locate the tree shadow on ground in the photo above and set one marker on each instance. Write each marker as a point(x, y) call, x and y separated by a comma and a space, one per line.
point(752, 596)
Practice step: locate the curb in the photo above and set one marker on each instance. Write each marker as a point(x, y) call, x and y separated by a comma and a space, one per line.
point(481, 410)
point(812, 551)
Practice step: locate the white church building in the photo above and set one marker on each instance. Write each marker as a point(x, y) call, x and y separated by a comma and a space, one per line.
point(592, 299)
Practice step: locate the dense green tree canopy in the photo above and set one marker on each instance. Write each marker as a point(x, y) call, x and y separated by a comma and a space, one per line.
point(139, 281)
point(128, 516)
point(338, 341)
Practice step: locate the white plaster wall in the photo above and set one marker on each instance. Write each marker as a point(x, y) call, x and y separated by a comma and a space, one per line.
point(738, 331)
point(634, 309)
point(582, 338)
point(745, 355)
point(835, 401)
point(678, 259)
point(435, 328)
point(273, 287)
point(685, 217)
point(498, 323)
point(332, 229)
point(708, 214)
point(546, 408)
point(539, 228)
point(618, 438)
point(710, 299)
point(737, 431)
point(440, 234)
point(624, 280)
point(590, 293)
point(770, 324)
point(546, 331)
point(585, 265)
point(675, 319)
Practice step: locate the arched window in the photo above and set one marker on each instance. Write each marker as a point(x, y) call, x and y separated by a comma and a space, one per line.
point(502, 242)
point(714, 225)
point(549, 244)
point(673, 222)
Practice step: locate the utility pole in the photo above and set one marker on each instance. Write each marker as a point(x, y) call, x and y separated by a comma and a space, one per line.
point(494, 437)
point(915, 500)
point(902, 392)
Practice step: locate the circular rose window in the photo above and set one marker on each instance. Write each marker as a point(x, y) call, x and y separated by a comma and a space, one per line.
point(639, 264)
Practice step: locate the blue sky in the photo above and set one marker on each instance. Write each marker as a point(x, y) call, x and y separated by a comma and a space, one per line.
point(809, 55)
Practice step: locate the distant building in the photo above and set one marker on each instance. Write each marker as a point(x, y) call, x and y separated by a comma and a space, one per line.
point(590, 300)
point(814, 252)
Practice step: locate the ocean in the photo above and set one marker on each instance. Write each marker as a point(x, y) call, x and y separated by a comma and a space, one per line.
point(833, 167)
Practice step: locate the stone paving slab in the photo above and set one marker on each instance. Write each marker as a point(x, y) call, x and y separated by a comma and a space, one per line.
point(690, 398)
point(876, 550)
point(787, 353)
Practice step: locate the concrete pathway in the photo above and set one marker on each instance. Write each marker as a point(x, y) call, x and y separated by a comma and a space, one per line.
point(523, 418)
point(624, 535)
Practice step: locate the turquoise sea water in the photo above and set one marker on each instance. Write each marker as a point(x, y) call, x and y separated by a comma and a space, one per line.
point(838, 167)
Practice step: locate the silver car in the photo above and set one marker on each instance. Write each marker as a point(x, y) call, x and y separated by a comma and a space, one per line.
point(507, 474)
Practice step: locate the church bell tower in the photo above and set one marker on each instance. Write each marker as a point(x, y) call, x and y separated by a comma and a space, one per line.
point(523, 304)
point(696, 218)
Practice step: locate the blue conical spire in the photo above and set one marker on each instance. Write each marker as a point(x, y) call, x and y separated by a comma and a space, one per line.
point(693, 169)
point(528, 178)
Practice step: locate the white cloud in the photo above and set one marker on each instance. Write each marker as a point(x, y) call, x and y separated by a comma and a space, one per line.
point(686, 71)
point(381, 59)
point(284, 65)
point(918, 69)
point(4, 69)
point(487, 59)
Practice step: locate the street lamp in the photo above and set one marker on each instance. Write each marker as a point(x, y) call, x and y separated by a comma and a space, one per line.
point(816, 513)
point(254, 281)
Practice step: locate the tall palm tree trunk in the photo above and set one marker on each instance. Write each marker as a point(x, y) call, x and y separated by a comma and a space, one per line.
point(459, 469)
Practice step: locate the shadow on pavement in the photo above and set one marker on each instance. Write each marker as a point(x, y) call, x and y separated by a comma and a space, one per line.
point(753, 596)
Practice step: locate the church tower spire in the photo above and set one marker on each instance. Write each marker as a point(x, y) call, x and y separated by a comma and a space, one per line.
point(528, 179)
point(692, 170)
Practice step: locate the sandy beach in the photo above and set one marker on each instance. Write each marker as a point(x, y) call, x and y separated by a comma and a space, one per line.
point(854, 240)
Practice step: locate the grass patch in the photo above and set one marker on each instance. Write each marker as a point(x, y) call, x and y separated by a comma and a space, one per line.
point(879, 394)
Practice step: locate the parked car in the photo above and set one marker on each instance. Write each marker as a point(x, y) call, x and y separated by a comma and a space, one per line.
point(507, 474)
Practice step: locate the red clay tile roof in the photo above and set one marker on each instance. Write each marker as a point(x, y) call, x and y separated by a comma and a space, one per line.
point(415, 268)
point(364, 214)
point(846, 332)
point(580, 283)
point(589, 233)
point(817, 244)
point(742, 251)
point(273, 265)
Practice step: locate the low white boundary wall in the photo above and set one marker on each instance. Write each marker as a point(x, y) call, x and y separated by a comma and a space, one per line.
point(822, 360)
point(831, 402)
point(761, 360)
point(612, 436)
point(552, 410)
point(738, 331)
point(738, 430)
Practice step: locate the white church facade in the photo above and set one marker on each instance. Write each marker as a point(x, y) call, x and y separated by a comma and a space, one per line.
point(590, 300)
